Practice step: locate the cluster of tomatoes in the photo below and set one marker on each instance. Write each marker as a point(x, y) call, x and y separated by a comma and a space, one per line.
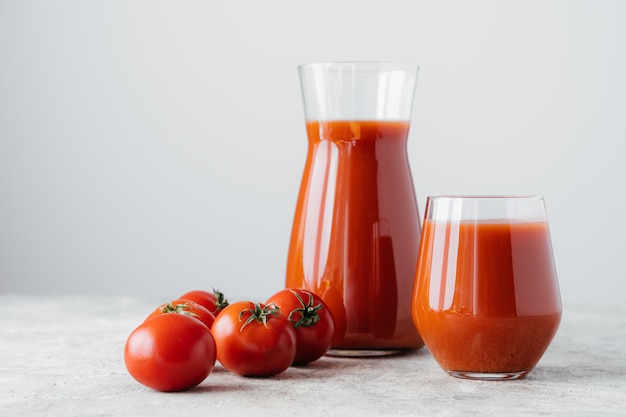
point(177, 346)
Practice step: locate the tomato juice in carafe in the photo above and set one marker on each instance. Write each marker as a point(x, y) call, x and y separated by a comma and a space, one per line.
point(356, 232)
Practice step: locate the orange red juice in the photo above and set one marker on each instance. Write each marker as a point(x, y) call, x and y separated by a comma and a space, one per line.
point(356, 231)
point(487, 297)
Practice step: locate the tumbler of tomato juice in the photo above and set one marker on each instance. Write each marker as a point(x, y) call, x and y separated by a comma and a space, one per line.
point(356, 226)
point(486, 299)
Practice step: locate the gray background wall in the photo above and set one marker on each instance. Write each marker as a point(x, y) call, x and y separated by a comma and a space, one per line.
point(151, 147)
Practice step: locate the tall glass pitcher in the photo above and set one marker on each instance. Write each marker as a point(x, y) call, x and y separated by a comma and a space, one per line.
point(356, 229)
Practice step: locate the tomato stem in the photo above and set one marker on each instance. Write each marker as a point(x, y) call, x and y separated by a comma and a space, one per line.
point(258, 314)
point(178, 309)
point(307, 314)
point(220, 301)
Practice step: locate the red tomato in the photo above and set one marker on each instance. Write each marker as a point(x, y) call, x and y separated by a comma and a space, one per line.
point(311, 319)
point(170, 352)
point(212, 301)
point(254, 339)
point(186, 307)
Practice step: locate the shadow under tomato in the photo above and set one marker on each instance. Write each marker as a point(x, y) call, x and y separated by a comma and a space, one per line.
point(223, 380)
point(216, 388)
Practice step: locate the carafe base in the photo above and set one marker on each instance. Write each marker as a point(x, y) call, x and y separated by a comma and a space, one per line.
point(488, 376)
point(364, 353)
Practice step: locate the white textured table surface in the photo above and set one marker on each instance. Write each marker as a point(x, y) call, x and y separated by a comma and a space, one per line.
point(63, 356)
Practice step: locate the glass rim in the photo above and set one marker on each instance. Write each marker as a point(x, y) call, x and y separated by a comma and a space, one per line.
point(519, 208)
point(486, 197)
point(360, 65)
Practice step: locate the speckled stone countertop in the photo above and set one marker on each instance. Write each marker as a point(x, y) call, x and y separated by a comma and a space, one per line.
point(63, 356)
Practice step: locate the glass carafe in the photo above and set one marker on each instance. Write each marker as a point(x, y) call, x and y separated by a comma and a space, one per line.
point(356, 229)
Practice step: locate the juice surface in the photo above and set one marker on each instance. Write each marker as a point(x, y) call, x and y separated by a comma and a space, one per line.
point(487, 298)
point(356, 231)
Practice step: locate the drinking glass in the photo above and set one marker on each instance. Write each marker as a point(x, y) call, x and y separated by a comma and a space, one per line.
point(356, 226)
point(486, 300)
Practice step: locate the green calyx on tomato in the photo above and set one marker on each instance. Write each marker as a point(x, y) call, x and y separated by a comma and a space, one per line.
point(179, 309)
point(307, 315)
point(220, 301)
point(258, 314)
